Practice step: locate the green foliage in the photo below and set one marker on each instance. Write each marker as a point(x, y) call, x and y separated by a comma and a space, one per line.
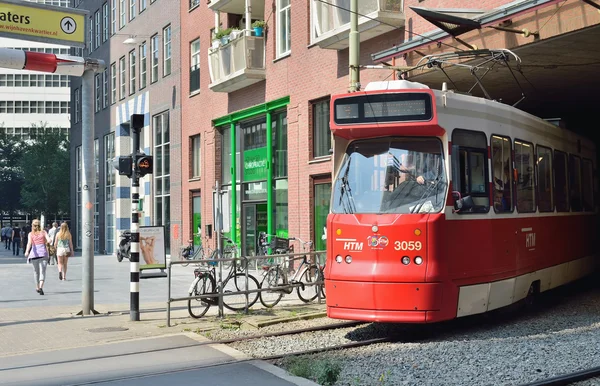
point(259, 24)
point(11, 174)
point(222, 32)
point(323, 371)
point(45, 165)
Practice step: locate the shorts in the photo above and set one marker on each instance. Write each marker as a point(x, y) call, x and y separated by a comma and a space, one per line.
point(61, 251)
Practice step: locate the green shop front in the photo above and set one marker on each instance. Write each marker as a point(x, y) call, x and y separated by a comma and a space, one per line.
point(254, 165)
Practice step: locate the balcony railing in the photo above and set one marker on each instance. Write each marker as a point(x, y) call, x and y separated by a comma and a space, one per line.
point(237, 64)
point(331, 22)
point(238, 7)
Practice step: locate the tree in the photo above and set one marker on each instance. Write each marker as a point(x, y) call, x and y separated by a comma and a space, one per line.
point(11, 175)
point(45, 165)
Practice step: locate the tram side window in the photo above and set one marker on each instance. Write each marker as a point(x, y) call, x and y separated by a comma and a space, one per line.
point(587, 180)
point(560, 181)
point(469, 170)
point(544, 179)
point(525, 176)
point(575, 183)
point(501, 174)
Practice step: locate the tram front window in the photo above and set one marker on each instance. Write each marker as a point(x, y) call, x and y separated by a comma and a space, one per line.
point(398, 175)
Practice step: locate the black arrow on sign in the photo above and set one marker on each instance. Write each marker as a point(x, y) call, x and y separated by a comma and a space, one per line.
point(68, 24)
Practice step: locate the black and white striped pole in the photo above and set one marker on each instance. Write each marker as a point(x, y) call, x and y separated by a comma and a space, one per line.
point(135, 166)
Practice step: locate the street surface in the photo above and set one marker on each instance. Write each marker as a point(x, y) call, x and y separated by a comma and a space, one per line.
point(43, 342)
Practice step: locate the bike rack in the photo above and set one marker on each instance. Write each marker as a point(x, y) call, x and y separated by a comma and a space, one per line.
point(292, 257)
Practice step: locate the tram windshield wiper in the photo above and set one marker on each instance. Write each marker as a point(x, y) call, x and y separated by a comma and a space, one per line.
point(346, 199)
point(426, 194)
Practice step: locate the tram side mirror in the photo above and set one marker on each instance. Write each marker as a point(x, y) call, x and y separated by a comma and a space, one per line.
point(456, 198)
point(464, 204)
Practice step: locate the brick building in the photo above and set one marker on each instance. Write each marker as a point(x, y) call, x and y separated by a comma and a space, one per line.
point(267, 96)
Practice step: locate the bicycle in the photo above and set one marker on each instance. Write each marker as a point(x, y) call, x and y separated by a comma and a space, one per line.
point(276, 282)
point(189, 253)
point(205, 282)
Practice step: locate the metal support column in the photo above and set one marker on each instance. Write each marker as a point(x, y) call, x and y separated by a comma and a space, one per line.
point(88, 193)
point(354, 48)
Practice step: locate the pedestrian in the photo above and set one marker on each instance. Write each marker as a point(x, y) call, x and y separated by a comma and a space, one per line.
point(37, 253)
point(16, 239)
point(23, 239)
point(64, 249)
point(52, 234)
point(6, 236)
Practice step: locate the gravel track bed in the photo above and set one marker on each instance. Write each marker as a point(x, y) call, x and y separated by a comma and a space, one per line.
point(560, 335)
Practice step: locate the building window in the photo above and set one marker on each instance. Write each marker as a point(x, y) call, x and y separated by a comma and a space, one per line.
point(194, 3)
point(110, 179)
point(76, 97)
point(105, 88)
point(96, 204)
point(143, 5)
point(98, 20)
point(587, 179)
point(321, 198)
point(195, 66)
point(321, 130)
point(98, 94)
point(113, 82)
point(196, 156)
point(123, 77)
point(162, 204)
point(154, 48)
point(91, 35)
point(167, 50)
point(284, 39)
point(132, 72)
point(143, 64)
point(105, 22)
point(113, 17)
point(123, 12)
point(132, 9)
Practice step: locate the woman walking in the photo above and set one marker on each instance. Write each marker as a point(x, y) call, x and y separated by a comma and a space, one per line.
point(37, 254)
point(64, 248)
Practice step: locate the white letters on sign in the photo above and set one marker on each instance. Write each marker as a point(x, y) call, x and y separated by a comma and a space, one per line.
point(530, 240)
point(353, 246)
point(408, 245)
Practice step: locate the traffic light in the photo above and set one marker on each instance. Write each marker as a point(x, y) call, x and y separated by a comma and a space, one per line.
point(125, 166)
point(144, 164)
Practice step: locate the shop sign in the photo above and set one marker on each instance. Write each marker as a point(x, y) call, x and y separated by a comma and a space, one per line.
point(255, 164)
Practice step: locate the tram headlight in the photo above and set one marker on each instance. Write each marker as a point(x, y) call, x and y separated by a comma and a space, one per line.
point(406, 260)
point(339, 259)
point(348, 259)
point(418, 260)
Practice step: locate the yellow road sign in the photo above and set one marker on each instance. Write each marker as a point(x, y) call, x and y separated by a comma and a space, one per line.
point(44, 23)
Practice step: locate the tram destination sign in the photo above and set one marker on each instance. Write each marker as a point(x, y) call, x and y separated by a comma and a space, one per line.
point(43, 23)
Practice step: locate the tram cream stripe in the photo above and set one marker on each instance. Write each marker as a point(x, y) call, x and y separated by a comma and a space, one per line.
point(526, 229)
point(479, 298)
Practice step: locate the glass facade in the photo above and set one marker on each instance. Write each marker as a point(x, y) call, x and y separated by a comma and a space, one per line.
point(322, 196)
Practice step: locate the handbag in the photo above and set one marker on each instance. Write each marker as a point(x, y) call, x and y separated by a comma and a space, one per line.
point(51, 247)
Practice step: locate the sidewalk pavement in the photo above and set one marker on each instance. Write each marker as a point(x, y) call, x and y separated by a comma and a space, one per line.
point(29, 329)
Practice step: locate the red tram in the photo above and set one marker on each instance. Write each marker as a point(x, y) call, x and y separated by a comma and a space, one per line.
point(446, 205)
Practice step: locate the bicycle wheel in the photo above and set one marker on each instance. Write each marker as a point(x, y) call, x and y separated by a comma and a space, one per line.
point(309, 278)
point(269, 295)
point(237, 283)
point(198, 307)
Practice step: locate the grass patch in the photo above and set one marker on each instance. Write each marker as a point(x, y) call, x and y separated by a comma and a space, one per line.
point(323, 371)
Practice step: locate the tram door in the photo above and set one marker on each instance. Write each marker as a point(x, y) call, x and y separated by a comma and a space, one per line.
point(255, 221)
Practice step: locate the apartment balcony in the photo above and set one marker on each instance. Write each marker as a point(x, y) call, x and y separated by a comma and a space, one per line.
point(331, 24)
point(238, 7)
point(237, 64)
